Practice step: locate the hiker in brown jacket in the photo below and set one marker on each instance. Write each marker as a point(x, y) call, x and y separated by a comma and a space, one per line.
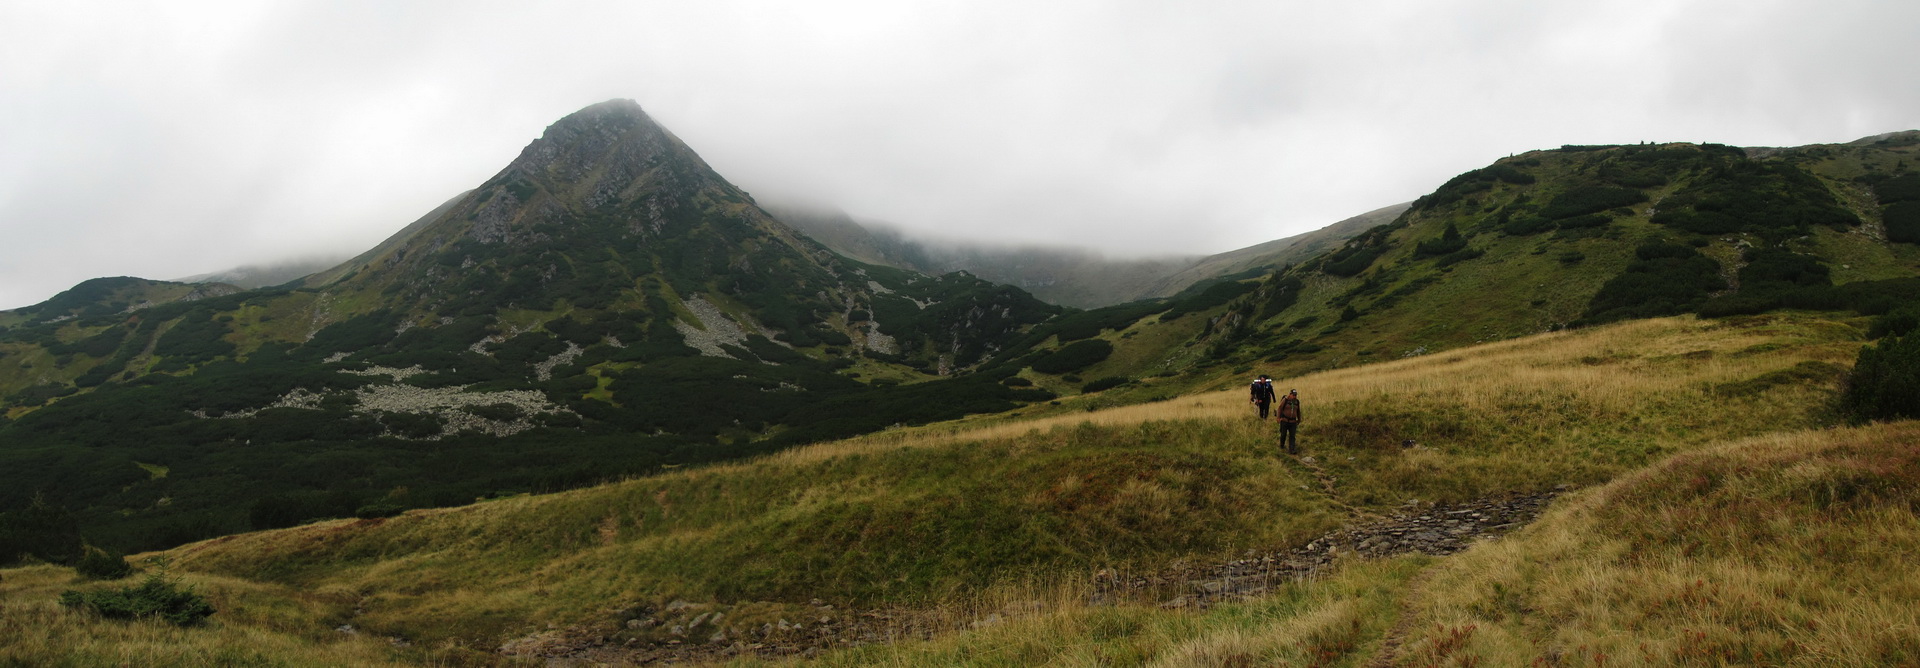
point(1289, 414)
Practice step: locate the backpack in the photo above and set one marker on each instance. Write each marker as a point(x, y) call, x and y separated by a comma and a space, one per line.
point(1289, 408)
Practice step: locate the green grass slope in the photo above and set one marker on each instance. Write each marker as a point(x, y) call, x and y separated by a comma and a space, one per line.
point(1582, 235)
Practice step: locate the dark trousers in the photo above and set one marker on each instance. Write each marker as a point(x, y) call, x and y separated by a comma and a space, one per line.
point(1263, 409)
point(1290, 437)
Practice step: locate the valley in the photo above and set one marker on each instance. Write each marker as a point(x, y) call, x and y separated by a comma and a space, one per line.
point(1638, 403)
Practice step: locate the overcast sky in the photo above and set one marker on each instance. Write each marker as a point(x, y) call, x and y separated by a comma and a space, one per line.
point(172, 138)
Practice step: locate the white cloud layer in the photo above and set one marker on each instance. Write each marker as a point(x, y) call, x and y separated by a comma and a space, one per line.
point(164, 139)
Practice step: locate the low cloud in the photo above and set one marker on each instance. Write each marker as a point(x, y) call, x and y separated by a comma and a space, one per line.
point(183, 138)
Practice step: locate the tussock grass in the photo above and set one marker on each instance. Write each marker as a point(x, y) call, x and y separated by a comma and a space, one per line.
point(961, 518)
point(257, 625)
point(1324, 623)
point(1787, 549)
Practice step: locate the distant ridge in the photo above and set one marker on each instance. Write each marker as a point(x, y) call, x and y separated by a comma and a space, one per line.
point(1066, 276)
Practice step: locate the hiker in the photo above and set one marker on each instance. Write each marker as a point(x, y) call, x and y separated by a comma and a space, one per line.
point(1262, 394)
point(1289, 415)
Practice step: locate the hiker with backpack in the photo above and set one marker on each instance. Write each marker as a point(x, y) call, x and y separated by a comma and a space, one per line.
point(1262, 394)
point(1289, 416)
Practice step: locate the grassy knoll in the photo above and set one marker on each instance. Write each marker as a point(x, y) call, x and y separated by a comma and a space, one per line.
point(1787, 549)
point(961, 516)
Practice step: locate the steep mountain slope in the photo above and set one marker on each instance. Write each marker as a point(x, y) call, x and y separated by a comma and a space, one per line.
point(1069, 277)
point(604, 305)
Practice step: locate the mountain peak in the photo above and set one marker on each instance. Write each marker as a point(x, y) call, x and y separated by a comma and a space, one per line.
point(597, 152)
point(612, 115)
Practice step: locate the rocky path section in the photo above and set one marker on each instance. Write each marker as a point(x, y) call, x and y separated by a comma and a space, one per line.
point(1437, 530)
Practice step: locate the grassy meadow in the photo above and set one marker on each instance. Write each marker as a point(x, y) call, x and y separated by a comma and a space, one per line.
point(967, 518)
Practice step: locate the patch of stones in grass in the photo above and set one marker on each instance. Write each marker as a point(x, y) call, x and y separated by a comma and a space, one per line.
point(716, 328)
point(544, 370)
point(395, 374)
point(298, 397)
point(1437, 530)
point(450, 404)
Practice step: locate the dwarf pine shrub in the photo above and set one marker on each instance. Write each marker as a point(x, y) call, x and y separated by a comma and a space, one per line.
point(1885, 382)
point(154, 597)
point(101, 564)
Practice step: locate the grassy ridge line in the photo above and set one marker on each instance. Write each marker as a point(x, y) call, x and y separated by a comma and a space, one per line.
point(922, 516)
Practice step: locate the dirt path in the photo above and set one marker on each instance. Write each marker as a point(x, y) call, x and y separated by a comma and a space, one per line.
point(1403, 622)
point(1329, 488)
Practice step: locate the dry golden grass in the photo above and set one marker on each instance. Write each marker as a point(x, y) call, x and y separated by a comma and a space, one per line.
point(1613, 369)
point(1787, 549)
point(257, 625)
point(1790, 549)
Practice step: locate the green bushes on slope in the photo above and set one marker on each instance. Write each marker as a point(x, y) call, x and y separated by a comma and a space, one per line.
point(1074, 357)
point(1664, 279)
point(1885, 382)
point(1774, 200)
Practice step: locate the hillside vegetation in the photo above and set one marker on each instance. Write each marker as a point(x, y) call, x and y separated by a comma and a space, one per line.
point(955, 520)
point(1576, 236)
